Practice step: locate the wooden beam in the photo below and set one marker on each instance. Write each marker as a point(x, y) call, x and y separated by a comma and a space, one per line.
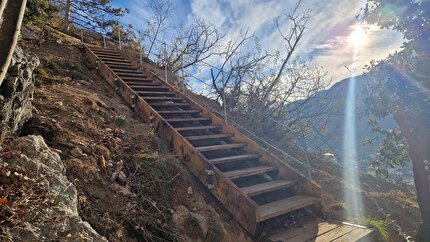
point(221, 147)
point(249, 171)
point(267, 187)
point(234, 158)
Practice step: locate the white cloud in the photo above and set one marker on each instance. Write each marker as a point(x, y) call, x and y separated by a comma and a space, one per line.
point(324, 41)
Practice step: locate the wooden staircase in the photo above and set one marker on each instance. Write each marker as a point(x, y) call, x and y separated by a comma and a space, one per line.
point(251, 183)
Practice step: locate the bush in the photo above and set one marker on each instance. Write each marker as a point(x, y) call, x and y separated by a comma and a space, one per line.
point(39, 12)
point(120, 120)
point(380, 226)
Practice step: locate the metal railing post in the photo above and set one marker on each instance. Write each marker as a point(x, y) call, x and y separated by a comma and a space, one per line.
point(183, 74)
point(119, 37)
point(82, 36)
point(165, 62)
point(104, 36)
point(223, 96)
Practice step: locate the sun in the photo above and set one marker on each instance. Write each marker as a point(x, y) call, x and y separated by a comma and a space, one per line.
point(357, 37)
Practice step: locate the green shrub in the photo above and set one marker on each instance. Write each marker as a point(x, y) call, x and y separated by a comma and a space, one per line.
point(380, 226)
point(120, 120)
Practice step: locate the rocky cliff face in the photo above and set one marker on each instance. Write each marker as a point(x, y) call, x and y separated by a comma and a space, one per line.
point(16, 92)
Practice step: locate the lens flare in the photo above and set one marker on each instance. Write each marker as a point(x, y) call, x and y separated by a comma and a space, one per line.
point(357, 37)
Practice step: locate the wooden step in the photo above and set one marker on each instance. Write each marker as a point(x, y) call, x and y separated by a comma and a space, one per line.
point(111, 58)
point(131, 78)
point(180, 105)
point(194, 128)
point(267, 187)
point(234, 158)
point(208, 137)
point(249, 171)
point(220, 147)
point(163, 99)
point(122, 71)
point(176, 120)
point(131, 75)
point(118, 68)
point(119, 64)
point(286, 205)
point(144, 83)
point(102, 48)
point(178, 112)
point(145, 94)
point(147, 87)
point(99, 52)
point(109, 55)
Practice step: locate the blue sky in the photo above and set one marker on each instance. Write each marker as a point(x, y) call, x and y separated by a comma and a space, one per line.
point(326, 39)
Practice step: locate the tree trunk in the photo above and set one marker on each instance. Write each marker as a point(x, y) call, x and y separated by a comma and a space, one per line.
point(417, 134)
point(67, 15)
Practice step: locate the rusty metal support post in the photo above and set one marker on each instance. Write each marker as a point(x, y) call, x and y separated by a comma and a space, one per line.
point(223, 95)
point(183, 74)
point(165, 62)
point(140, 48)
point(104, 36)
point(119, 35)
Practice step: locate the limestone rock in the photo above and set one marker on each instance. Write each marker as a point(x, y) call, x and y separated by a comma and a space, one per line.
point(45, 165)
point(16, 91)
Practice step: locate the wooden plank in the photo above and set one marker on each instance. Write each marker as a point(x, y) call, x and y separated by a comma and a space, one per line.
point(221, 147)
point(274, 209)
point(207, 137)
point(111, 58)
point(163, 98)
point(180, 105)
point(358, 234)
point(267, 187)
point(249, 171)
point(335, 234)
point(234, 158)
point(115, 68)
point(310, 230)
point(118, 64)
point(159, 88)
point(122, 71)
point(316, 230)
point(193, 128)
point(108, 55)
point(138, 84)
point(131, 76)
point(136, 79)
point(175, 120)
point(178, 112)
point(157, 93)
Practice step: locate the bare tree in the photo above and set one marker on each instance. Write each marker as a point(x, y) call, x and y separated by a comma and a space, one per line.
point(262, 88)
point(157, 24)
point(193, 45)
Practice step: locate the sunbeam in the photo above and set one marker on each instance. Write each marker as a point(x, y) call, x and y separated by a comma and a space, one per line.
point(352, 188)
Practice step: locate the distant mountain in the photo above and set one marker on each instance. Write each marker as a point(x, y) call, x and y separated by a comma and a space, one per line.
point(331, 103)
